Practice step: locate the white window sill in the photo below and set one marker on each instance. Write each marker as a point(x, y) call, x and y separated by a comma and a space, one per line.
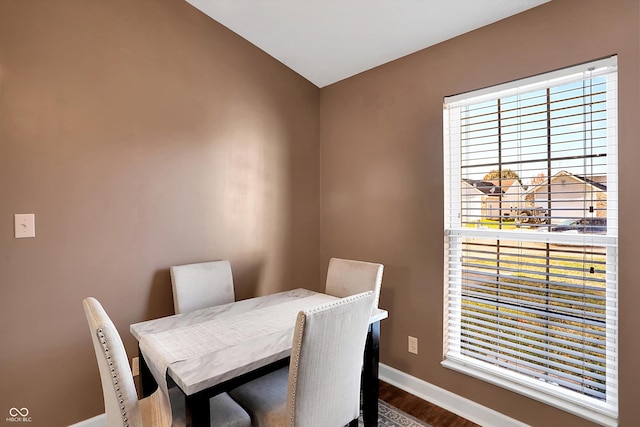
point(593, 412)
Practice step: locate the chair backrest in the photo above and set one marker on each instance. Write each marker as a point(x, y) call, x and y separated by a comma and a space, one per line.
point(326, 362)
point(201, 285)
point(347, 277)
point(120, 396)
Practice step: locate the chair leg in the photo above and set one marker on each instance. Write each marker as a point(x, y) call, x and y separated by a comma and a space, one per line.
point(354, 423)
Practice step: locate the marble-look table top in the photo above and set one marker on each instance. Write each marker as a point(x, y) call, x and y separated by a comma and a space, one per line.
point(206, 347)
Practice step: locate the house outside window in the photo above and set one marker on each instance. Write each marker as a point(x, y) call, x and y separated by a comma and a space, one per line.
point(531, 225)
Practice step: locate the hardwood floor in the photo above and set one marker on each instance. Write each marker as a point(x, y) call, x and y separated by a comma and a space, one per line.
point(421, 409)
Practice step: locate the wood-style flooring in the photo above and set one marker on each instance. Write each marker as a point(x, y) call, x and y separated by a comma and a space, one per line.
point(421, 409)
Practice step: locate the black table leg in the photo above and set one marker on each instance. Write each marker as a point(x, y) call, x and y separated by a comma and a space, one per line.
point(177, 400)
point(197, 410)
point(147, 383)
point(370, 376)
point(194, 409)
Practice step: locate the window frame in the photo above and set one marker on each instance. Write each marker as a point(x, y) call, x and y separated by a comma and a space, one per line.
point(605, 413)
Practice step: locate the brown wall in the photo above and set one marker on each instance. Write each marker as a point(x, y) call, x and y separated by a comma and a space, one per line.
point(382, 178)
point(142, 135)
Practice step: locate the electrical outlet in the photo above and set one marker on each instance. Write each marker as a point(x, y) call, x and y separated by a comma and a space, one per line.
point(413, 345)
point(135, 366)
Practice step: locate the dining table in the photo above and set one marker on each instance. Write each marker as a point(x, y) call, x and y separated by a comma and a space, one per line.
point(196, 355)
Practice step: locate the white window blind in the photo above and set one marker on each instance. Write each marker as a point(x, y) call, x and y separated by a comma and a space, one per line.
point(531, 219)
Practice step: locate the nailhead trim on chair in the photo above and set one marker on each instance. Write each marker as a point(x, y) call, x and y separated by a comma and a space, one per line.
point(302, 318)
point(114, 375)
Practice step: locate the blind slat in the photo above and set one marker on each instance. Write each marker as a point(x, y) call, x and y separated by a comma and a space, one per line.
point(527, 356)
point(529, 327)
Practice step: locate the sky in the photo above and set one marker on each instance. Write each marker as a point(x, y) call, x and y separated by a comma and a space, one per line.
point(575, 113)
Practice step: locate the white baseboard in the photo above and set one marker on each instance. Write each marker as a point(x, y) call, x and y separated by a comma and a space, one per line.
point(460, 406)
point(97, 421)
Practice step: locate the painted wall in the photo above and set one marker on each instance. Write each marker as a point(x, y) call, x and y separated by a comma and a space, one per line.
point(382, 178)
point(142, 135)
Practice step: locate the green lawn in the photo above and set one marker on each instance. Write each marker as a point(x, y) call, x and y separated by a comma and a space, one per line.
point(545, 281)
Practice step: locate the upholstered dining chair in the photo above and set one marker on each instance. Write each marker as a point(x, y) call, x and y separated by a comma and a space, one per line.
point(348, 277)
point(201, 285)
point(321, 386)
point(121, 403)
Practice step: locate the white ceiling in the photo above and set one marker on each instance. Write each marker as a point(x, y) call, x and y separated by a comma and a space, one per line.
point(329, 40)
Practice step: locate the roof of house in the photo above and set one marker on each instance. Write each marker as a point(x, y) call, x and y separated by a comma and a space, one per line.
point(486, 187)
point(599, 185)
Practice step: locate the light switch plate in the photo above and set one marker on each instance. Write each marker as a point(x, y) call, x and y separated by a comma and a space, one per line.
point(25, 225)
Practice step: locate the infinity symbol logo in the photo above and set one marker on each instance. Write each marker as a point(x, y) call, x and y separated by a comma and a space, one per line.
point(14, 412)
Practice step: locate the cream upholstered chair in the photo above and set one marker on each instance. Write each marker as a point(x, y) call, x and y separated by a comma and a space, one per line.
point(201, 285)
point(321, 387)
point(347, 277)
point(121, 404)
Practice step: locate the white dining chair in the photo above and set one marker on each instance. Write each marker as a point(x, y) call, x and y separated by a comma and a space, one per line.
point(321, 386)
point(348, 277)
point(201, 285)
point(121, 403)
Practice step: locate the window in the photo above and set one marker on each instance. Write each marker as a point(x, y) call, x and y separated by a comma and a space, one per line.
point(531, 225)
